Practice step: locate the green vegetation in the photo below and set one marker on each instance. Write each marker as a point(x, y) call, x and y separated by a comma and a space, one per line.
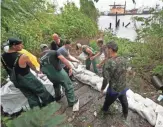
point(37, 117)
point(34, 22)
point(88, 8)
point(72, 23)
point(150, 53)
point(126, 47)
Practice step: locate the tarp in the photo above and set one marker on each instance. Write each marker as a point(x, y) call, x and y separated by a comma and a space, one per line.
point(12, 99)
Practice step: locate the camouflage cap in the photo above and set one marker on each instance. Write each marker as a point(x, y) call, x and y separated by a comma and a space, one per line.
point(113, 46)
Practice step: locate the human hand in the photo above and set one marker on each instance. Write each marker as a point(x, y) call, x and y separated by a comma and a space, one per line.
point(98, 66)
point(70, 72)
point(38, 72)
point(92, 58)
point(101, 94)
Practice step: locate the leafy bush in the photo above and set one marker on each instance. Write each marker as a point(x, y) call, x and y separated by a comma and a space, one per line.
point(74, 24)
point(125, 47)
point(34, 22)
point(94, 45)
point(149, 53)
point(158, 70)
point(45, 117)
point(88, 8)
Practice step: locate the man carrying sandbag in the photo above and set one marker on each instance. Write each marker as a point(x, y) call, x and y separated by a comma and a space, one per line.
point(50, 65)
point(18, 67)
point(64, 50)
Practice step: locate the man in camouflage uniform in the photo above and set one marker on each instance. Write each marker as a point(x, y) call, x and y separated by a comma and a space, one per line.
point(114, 73)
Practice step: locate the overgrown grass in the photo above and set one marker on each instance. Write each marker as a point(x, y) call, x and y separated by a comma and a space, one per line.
point(126, 47)
point(38, 27)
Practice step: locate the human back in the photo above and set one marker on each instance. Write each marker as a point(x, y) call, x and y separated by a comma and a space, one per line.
point(118, 69)
point(51, 58)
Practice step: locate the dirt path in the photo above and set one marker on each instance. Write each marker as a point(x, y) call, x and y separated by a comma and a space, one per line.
point(89, 104)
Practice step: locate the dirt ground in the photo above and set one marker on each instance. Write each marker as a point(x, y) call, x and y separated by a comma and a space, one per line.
point(90, 115)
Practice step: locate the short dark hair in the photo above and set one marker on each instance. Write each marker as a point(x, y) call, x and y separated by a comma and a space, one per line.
point(100, 41)
point(13, 41)
point(113, 46)
point(67, 41)
point(53, 45)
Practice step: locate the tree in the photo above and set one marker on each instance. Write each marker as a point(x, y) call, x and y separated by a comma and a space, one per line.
point(89, 9)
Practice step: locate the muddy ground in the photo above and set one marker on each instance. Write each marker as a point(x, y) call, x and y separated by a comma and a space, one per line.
point(90, 105)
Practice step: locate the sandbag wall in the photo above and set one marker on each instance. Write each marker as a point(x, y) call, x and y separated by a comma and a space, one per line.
point(145, 107)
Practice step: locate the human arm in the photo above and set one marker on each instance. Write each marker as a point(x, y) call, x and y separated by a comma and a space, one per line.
point(89, 51)
point(101, 63)
point(24, 59)
point(65, 61)
point(73, 59)
point(106, 75)
point(98, 54)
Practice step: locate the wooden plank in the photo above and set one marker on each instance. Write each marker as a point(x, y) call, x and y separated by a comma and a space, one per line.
point(77, 85)
point(86, 113)
point(78, 93)
point(84, 97)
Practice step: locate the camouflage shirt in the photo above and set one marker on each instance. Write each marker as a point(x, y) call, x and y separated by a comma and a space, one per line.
point(114, 73)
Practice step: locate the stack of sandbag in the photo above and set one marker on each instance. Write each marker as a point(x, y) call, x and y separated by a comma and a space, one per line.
point(159, 111)
point(145, 107)
point(87, 77)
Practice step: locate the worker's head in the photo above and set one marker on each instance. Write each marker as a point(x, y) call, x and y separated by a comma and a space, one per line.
point(43, 47)
point(112, 48)
point(15, 44)
point(56, 38)
point(78, 46)
point(100, 42)
point(67, 44)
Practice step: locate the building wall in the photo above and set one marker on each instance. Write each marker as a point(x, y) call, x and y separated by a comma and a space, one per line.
point(118, 10)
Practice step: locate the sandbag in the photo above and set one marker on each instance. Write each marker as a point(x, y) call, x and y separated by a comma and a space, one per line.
point(130, 93)
point(82, 56)
point(149, 103)
point(159, 109)
point(150, 115)
point(131, 103)
point(139, 108)
point(138, 98)
point(12, 99)
point(159, 121)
